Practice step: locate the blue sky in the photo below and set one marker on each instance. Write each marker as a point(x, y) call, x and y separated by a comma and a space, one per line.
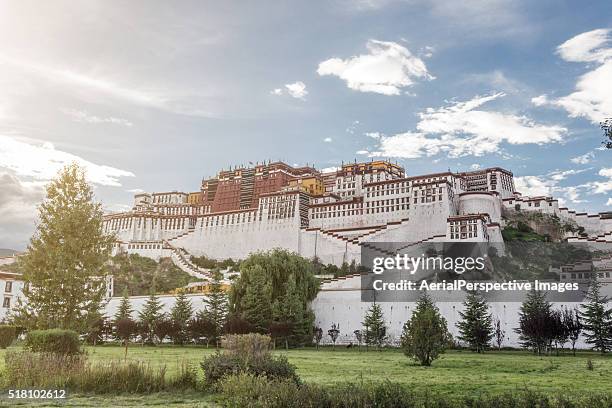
point(157, 95)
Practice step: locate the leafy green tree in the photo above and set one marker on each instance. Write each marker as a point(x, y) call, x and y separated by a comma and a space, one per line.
point(597, 318)
point(476, 325)
point(150, 315)
point(256, 304)
point(63, 267)
point(276, 286)
point(425, 336)
point(534, 322)
point(180, 315)
point(216, 307)
point(375, 328)
point(571, 320)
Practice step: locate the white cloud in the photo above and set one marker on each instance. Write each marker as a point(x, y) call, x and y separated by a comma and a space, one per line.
point(475, 166)
point(461, 129)
point(80, 83)
point(534, 185)
point(540, 100)
point(83, 116)
point(609, 202)
point(601, 187)
point(328, 140)
point(387, 69)
point(296, 90)
point(559, 175)
point(592, 98)
point(583, 159)
point(374, 135)
point(330, 169)
point(41, 161)
point(591, 46)
point(362, 152)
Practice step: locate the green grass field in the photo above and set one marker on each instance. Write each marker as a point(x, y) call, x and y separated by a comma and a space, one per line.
point(456, 373)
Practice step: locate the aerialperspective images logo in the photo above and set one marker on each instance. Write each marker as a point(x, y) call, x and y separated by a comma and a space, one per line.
point(338, 203)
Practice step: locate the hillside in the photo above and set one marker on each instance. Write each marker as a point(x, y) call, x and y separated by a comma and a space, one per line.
point(140, 274)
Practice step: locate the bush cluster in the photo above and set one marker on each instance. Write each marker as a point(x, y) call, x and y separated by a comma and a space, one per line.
point(53, 341)
point(248, 353)
point(73, 372)
point(247, 390)
point(7, 335)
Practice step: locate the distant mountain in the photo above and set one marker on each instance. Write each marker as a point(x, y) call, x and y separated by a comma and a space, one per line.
point(7, 252)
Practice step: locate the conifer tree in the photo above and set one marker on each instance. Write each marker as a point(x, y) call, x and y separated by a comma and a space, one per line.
point(534, 322)
point(476, 325)
point(375, 328)
point(180, 315)
point(597, 318)
point(216, 307)
point(125, 310)
point(425, 336)
point(64, 263)
point(150, 315)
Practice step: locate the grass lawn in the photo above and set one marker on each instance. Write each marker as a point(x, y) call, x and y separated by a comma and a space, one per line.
point(456, 373)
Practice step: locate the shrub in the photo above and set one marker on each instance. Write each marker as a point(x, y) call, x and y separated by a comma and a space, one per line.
point(247, 353)
point(247, 390)
point(42, 370)
point(111, 377)
point(7, 335)
point(247, 347)
point(53, 341)
point(75, 373)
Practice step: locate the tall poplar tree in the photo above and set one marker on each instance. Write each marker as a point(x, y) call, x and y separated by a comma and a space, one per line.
point(476, 325)
point(64, 263)
point(597, 318)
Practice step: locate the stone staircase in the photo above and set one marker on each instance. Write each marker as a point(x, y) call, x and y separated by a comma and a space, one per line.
point(180, 258)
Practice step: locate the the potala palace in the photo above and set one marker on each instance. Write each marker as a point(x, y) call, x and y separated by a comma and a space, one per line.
point(330, 215)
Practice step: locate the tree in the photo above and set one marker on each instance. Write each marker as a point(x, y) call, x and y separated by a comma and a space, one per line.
point(163, 328)
point(606, 127)
point(476, 325)
point(359, 337)
point(216, 307)
point(180, 315)
point(63, 267)
point(499, 334)
point(256, 304)
point(571, 320)
point(281, 330)
point(374, 322)
point(597, 318)
point(149, 316)
point(125, 310)
point(276, 286)
point(534, 322)
point(560, 331)
point(235, 324)
point(201, 327)
point(425, 336)
point(317, 335)
point(95, 331)
point(126, 328)
point(334, 332)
